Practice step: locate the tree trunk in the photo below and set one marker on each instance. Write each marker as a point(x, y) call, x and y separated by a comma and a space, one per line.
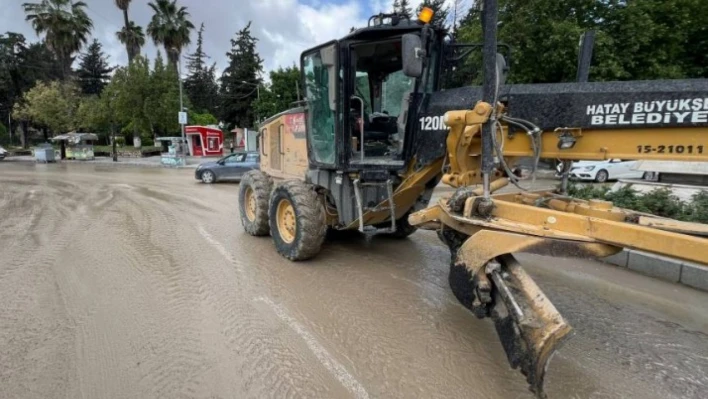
point(137, 143)
point(127, 44)
point(23, 133)
point(45, 132)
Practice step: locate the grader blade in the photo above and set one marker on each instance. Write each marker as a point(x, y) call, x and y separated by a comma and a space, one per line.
point(529, 326)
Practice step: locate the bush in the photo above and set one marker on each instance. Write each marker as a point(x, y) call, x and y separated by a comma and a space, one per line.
point(660, 201)
point(147, 140)
point(698, 208)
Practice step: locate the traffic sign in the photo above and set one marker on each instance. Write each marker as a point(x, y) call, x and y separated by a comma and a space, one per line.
point(182, 118)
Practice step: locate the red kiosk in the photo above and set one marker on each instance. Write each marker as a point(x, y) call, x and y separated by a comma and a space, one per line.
point(204, 141)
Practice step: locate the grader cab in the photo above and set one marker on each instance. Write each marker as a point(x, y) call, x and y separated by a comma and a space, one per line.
point(349, 152)
point(375, 135)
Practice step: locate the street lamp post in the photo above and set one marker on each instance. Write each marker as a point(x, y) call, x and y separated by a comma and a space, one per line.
point(181, 106)
point(113, 133)
point(111, 104)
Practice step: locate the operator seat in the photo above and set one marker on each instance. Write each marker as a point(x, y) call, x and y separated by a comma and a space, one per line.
point(402, 119)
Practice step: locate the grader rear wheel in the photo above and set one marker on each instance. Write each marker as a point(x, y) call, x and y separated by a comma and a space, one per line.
point(287, 225)
point(297, 220)
point(254, 192)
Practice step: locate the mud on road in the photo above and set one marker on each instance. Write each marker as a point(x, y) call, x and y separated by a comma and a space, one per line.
point(127, 283)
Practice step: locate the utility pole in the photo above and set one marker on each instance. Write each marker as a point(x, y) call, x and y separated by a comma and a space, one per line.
point(113, 133)
point(258, 91)
point(181, 108)
point(111, 106)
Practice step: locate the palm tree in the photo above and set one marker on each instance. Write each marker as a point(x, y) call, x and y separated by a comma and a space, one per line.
point(131, 35)
point(123, 5)
point(133, 38)
point(64, 23)
point(170, 27)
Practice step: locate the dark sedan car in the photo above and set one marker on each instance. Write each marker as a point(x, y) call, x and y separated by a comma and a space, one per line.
point(230, 167)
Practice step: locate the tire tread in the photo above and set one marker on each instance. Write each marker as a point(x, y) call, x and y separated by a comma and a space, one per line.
point(310, 216)
point(262, 185)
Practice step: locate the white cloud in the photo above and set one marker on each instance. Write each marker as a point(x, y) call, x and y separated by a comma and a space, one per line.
point(284, 27)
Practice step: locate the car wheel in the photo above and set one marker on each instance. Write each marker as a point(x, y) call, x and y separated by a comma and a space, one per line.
point(208, 177)
point(602, 176)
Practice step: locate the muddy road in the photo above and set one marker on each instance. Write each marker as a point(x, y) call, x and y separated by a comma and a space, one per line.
point(133, 283)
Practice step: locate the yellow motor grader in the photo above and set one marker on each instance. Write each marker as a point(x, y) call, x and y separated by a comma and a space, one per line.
point(375, 135)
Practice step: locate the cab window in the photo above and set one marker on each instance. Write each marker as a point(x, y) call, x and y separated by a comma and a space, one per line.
point(320, 81)
point(378, 125)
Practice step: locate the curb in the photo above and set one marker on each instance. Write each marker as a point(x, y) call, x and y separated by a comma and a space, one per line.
point(669, 269)
point(120, 163)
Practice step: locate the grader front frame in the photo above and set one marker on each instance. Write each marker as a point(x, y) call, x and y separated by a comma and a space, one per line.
point(483, 232)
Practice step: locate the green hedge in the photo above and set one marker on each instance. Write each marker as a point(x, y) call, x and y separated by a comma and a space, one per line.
point(659, 202)
point(141, 151)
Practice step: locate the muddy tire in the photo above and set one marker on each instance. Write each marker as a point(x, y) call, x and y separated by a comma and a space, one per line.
point(297, 220)
point(253, 195)
point(403, 228)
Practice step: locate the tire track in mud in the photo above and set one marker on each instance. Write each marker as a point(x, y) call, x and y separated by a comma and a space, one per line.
point(196, 302)
point(381, 324)
point(27, 291)
point(160, 302)
point(334, 367)
point(180, 359)
point(266, 353)
point(343, 303)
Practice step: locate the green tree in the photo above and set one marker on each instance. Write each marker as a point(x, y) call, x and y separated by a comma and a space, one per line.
point(282, 92)
point(648, 39)
point(65, 25)
point(21, 66)
point(53, 105)
point(653, 39)
point(170, 27)
point(93, 72)
point(131, 86)
point(201, 85)
point(402, 7)
point(204, 119)
point(4, 136)
point(92, 116)
point(240, 80)
point(162, 102)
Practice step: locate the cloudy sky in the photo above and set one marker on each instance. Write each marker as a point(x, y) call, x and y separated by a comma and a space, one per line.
point(284, 27)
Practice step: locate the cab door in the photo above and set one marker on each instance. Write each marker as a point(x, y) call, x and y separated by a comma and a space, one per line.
point(321, 83)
